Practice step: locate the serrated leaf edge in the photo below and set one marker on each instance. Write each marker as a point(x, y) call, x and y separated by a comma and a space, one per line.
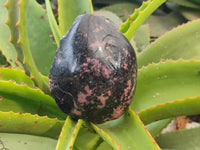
point(53, 23)
point(144, 128)
point(168, 32)
point(167, 61)
point(64, 141)
point(23, 40)
point(106, 137)
point(139, 16)
point(169, 102)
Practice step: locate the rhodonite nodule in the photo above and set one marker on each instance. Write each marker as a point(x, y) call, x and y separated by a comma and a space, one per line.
point(93, 75)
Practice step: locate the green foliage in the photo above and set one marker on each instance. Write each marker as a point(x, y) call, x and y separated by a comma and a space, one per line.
point(52, 22)
point(174, 45)
point(181, 76)
point(21, 98)
point(6, 47)
point(24, 141)
point(167, 84)
point(25, 123)
point(68, 134)
point(67, 16)
point(180, 140)
point(128, 124)
point(138, 17)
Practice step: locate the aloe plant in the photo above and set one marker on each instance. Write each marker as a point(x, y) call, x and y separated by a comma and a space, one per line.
point(167, 84)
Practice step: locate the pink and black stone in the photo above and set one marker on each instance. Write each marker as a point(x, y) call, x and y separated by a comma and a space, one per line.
point(93, 75)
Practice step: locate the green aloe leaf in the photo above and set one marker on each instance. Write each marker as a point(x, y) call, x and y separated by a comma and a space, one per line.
point(68, 134)
point(127, 132)
point(186, 3)
point(104, 146)
point(155, 128)
point(16, 75)
point(3, 61)
point(13, 16)
point(187, 139)
point(6, 47)
point(161, 23)
point(182, 42)
point(21, 98)
point(10, 141)
point(142, 38)
point(139, 16)
point(42, 45)
point(87, 139)
point(122, 9)
point(74, 8)
point(187, 106)
point(110, 15)
point(24, 41)
point(181, 79)
point(44, 127)
point(30, 124)
point(190, 14)
point(53, 23)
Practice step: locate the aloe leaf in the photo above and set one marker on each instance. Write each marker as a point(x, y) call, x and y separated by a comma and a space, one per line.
point(21, 98)
point(110, 15)
point(187, 139)
point(180, 80)
point(39, 32)
point(24, 141)
point(74, 8)
point(155, 128)
point(107, 138)
point(87, 140)
point(23, 40)
point(122, 9)
point(68, 134)
point(42, 45)
point(139, 16)
point(159, 24)
point(185, 3)
point(104, 146)
point(187, 106)
point(16, 75)
point(13, 16)
point(6, 47)
point(3, 61)
point(182, 42)
point(44, 127)
point(53, 23)
point(142, 37)
point(46, 79)
point(190, 14)
point(127, 132)
point(29, 124)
